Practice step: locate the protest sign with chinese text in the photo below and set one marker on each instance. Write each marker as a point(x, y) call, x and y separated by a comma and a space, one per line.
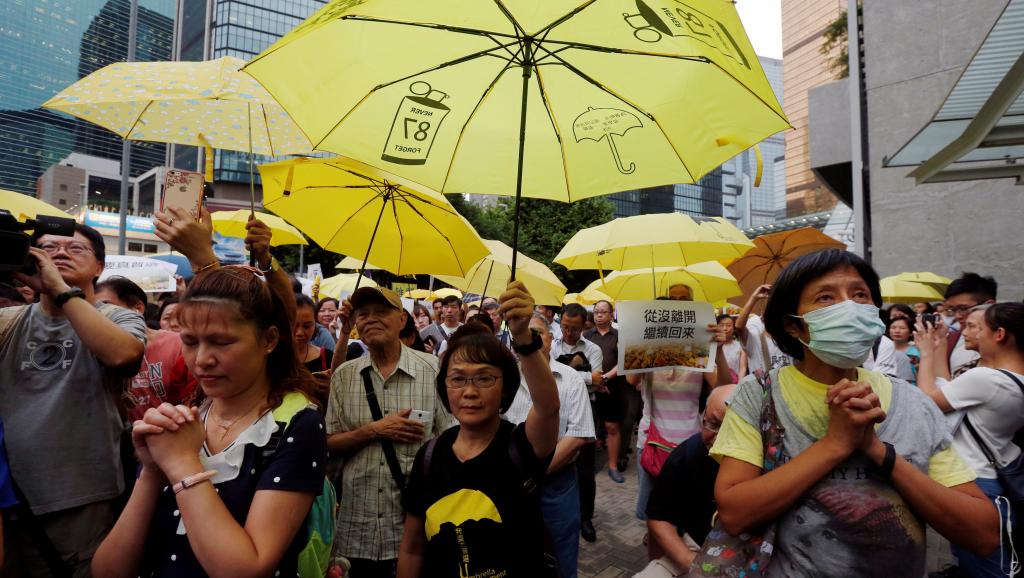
point(151, 275)
point(665, 334)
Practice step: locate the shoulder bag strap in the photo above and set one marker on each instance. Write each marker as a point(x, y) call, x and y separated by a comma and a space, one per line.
point(1014, 378)
point(981, 443)
point(51, 556)
point(389, 449)
point(765, 358)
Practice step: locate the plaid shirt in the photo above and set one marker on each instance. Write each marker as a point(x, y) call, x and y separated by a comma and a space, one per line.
point(370, 520)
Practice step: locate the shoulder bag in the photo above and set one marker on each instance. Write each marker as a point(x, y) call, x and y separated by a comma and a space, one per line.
point(389, 449)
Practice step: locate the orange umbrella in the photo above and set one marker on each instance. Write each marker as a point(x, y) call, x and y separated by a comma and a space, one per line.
point(771, 254)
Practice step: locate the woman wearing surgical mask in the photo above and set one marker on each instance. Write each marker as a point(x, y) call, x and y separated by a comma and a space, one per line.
point(846, 432)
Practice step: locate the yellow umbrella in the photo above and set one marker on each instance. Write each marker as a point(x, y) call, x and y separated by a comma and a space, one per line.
point(645, 241)
point(709, 281)
point(446, 292)
point(232, 224)
point(343, 284)
point(586, 297)
point(190, 103)
point(27, 207)
point(555, 100)
point(351, 263)
point(772, 253)
point(896, 291)
point(418, 294)
point(937, 281)
point(491, 274)
point(354, 209)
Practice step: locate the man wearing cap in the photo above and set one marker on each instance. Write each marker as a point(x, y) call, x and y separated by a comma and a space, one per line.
point(376, 451)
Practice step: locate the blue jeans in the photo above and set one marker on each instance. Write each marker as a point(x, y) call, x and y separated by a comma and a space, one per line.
point(996, 564)
point(646, 486)
point(560, 506)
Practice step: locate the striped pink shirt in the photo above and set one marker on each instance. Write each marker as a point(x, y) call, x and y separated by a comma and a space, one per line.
point(673, 395)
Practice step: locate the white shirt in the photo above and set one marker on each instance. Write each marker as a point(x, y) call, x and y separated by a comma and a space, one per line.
point(556, 329)
point(886, 361)
point(995, 405)
point(575, 418)
point(755, 359)
point(589, 349)
point(961, 356)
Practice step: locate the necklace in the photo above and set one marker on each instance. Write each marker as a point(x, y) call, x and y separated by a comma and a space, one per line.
point(226, 426)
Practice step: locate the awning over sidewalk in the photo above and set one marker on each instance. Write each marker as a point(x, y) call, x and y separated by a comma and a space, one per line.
point(978, 133)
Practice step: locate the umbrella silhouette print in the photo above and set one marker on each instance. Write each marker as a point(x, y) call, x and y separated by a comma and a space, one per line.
point(598, 123)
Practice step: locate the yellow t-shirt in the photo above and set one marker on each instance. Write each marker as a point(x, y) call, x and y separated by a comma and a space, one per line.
point(805, 399)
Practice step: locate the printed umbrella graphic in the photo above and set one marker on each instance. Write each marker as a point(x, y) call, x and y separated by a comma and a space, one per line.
point(598, 123)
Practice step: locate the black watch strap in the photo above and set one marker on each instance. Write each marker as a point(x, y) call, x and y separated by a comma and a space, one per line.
point(528, 348)
point(883, 471)
point(68, 295)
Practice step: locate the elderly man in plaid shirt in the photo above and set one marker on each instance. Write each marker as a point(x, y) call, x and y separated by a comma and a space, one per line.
point(378, 452)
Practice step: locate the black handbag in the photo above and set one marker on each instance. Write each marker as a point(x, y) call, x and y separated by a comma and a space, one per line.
point(1010, 476)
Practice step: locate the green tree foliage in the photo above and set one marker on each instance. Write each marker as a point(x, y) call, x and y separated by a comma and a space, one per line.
point(836, 35)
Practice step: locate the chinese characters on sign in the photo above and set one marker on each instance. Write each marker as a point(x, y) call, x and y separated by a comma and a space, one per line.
point(151, 275)
point(664, 334)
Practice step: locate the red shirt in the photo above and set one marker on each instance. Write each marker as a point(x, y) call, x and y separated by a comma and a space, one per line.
point(163, 376)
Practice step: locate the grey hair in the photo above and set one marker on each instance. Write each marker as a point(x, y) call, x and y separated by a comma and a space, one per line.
point(540, 317)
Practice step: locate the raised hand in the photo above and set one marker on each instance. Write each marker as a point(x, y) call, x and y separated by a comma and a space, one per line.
point(516, 307)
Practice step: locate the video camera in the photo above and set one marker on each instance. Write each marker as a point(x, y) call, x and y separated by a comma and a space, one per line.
point(14, 242)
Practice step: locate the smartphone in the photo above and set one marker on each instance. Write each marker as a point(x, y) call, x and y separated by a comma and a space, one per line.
point(424, 417)
point(929, 318)
point(183, 189)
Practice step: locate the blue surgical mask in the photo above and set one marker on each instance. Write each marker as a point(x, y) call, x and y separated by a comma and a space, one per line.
point(843, 334)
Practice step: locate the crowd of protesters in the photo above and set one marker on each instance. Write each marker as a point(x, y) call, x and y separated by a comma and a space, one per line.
point(210, 432)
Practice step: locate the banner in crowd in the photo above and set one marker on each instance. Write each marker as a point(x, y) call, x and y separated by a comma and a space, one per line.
point(152, 275)
point(665, 334)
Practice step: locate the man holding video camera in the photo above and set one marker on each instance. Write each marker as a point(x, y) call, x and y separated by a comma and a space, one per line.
point(64, 363)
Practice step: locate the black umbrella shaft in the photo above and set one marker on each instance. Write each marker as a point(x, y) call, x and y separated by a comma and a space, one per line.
point(366, 257)
point(527, 72)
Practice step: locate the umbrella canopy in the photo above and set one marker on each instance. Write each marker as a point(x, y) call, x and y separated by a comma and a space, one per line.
point(492, 273)
point(418, 294)
point(709, 281)
point(586, 297)
point(354, 209)
point(342, 285)
point(447, 291)
point(896, 291)
point(232, 224)
point(176, 102)
point(351, 264)
point(644, 241)
point(181, 262)
point(27, 207)
point(448, 94)
point(937, 281)
point(772, 253)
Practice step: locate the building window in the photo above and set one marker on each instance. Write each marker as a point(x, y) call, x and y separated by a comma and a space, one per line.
point(137, 247)
point(62, 201)
point(150, 248)
point(63, 187)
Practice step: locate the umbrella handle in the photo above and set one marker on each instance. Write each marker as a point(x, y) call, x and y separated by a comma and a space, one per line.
point(527, 65)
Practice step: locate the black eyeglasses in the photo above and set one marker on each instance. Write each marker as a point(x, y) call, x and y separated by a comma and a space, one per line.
point(483, 381)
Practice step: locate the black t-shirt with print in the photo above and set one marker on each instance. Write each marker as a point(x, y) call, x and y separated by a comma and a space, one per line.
point(478, 518)
point(297, 465)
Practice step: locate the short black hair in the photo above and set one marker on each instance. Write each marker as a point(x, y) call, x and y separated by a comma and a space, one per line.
point(611, 308)
point(320, 304)
point(907, 309)
point(983, 288)
point(436, 301)
point(785, 296)
point(409, 330)
point(482, 319)
point(450, 299)
point(475, 344)
point(723, 317)
point(303, 300)
point(99, 249)
point(1009, 317)
point(126, 290)
point(167, 303)
point(574, 310)
point(888, 326)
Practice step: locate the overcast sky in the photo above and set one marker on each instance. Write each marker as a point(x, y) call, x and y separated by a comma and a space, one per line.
point(763, 21)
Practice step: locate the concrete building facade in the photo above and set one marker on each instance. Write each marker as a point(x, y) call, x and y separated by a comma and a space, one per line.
point(915, 51)
point(805, 67)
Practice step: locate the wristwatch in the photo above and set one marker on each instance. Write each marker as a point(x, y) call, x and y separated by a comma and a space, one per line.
point(528, 348)
point(274, 266)
point(883, 471)
point(68, 295)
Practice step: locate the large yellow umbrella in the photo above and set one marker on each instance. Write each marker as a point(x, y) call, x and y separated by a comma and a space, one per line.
point(490, 275)
point(936, 281)
point(189, 103)
point(895, 290)
point(351, 264)
point(645, 241)
point(342, 285)
point(27, 207)
point(418, 294)
point(586, 297)
point(354, 209)
point(446, 292)
point(709, 281)
point(232, 224)
point(772, 253)
point(555, 100)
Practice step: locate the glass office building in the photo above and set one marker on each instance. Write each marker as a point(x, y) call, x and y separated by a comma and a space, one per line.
point(46, 45)
point(702, 199)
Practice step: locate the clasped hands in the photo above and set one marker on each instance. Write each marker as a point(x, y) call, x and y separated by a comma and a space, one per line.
point(854, 409)
point(167, 441)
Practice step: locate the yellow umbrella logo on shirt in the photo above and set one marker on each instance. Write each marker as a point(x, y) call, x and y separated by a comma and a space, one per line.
point(459, 507)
